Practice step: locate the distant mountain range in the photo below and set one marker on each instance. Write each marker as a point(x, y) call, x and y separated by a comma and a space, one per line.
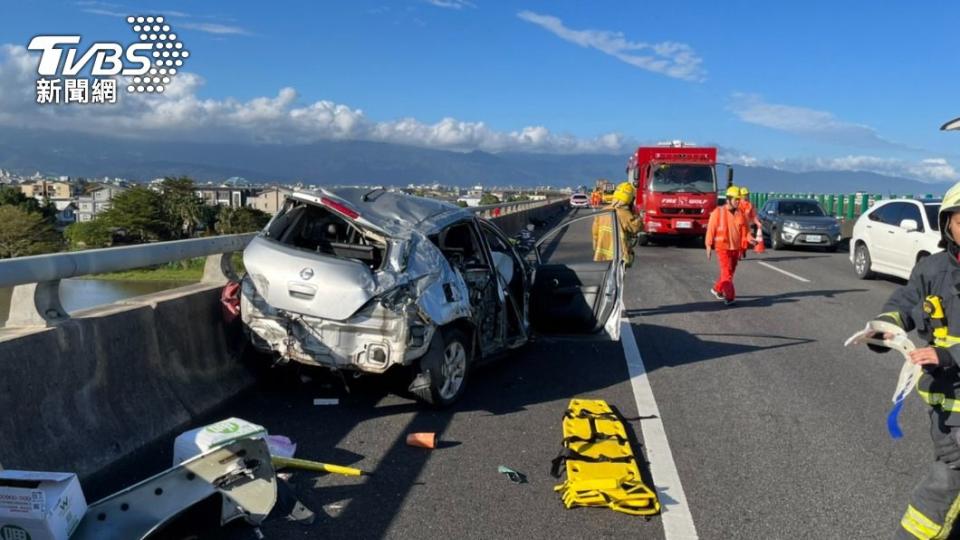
point(359, 162)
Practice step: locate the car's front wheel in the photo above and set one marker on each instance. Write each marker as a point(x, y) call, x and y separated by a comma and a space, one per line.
point(445, 368)
point(861, 262)
point(776, 241)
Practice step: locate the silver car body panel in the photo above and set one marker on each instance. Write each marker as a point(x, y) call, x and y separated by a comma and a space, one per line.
point(341, 314)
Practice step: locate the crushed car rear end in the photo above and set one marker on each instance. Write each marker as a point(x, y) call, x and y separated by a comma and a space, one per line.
point(329, 286)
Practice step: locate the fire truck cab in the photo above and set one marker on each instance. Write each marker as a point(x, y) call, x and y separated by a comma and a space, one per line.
point(676, 188)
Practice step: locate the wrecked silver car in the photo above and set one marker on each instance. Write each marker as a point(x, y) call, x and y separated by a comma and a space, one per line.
point(365, 281)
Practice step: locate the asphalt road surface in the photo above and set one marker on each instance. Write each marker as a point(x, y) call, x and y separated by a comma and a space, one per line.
point(775, 430)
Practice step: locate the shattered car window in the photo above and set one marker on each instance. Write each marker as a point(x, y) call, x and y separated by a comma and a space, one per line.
point(313, 228)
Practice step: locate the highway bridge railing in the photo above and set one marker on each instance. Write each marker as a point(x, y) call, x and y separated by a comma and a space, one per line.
point(846, 206)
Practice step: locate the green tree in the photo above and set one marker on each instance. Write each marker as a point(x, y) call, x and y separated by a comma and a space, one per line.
point(25, 233)
point(518, 198)
point(139, 211)
point(462, 204)
point(14, 197)
point(182, 209)
point(489, 198)
point(89, 234)
point(240, 220)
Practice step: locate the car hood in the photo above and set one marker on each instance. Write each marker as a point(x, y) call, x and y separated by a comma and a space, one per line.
point(811, 221)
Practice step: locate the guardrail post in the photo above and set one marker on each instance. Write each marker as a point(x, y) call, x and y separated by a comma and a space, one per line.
point(218, 268)
point(864, 202)
point(36, 304)
point(852, 200)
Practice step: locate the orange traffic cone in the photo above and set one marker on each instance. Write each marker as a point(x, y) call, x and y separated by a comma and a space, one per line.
point(759, 247)
point(422, 440)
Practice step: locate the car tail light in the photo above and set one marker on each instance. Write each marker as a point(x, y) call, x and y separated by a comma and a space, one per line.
point(339, 208)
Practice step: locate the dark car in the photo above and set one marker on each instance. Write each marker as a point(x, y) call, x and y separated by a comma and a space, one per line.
point(799, 222)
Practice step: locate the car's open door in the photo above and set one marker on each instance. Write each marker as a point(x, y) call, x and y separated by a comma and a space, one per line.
point(577, 282)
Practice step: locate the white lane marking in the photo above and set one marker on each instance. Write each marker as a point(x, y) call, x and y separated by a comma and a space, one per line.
point(794, 276)
point(676, 517)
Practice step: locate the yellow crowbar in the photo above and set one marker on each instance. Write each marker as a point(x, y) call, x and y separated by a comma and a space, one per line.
point(316, 466)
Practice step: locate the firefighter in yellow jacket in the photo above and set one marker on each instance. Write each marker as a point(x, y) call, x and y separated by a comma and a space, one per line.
point(630, 226)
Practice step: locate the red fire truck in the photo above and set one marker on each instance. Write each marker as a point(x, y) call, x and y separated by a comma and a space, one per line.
point(676, 188)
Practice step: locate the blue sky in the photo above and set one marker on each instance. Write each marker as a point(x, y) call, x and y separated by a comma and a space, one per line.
point(801, 85)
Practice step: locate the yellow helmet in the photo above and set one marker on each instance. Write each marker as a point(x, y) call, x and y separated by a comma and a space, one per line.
point(625, 193)
point(733, 192)
point(949, 205)
point(744, 192)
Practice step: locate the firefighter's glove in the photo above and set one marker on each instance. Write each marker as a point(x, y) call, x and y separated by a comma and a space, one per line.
point(946, 446)
point(886, 328)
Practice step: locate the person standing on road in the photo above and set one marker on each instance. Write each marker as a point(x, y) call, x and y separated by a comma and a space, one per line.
point(749, 215)
point(728, 235)
point(929, 304)
point(630, 226)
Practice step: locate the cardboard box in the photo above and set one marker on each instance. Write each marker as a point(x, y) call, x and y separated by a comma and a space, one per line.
point(197, 441)
point(39, 505)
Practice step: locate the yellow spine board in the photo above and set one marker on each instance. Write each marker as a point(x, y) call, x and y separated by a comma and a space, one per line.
point(600, 465)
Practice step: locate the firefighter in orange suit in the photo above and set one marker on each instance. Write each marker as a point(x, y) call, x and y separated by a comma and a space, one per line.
point(749, 215)
point(596, 199)
point(728, 235)
point(630, 226)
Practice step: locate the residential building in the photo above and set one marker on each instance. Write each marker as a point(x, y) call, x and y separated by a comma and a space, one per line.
point(269, 200)
point(48, 189)
point(96, 202)
point(66, 215)
point(223, 196)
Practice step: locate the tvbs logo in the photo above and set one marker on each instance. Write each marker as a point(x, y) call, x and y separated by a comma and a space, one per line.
point(148, 64)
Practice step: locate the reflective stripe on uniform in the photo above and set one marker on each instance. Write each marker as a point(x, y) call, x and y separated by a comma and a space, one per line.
point(895, 315)
point(604, 248)
point(919, 525)
point(936, 399)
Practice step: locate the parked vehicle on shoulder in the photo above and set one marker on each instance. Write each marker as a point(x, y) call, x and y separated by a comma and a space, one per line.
point(579, 200)
point(893, 235)
point(364, 281)
point(799, 222)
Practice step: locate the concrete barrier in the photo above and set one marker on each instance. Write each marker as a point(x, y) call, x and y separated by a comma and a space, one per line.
point(511, 224)
point(110, 380)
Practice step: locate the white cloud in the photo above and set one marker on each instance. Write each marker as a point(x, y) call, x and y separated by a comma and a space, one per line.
point(673, 59)
point(215, 28)
point(179, 114)
point(933, 169)
point(451, 4)
point(821, 125)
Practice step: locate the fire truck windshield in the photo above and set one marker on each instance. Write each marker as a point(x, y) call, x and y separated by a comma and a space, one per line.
point(683, 178)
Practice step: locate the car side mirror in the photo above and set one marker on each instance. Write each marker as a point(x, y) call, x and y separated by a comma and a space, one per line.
point(909, 225)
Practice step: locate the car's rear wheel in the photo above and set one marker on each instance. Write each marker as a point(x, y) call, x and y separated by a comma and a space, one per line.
point(861, 262)
point(445, 369)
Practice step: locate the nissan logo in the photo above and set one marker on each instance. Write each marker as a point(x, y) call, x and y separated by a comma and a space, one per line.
point(306, 274)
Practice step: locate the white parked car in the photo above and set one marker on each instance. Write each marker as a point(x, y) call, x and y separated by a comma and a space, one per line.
point(893, 235)
point(579, 200)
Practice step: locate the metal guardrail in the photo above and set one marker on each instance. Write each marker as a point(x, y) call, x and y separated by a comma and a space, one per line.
point(504, 209)
point(56, 266)
point(36, 279)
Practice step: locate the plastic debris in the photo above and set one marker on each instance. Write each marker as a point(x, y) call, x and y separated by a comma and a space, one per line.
point(514, 476)
point(422, 440)
point(281, 446)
